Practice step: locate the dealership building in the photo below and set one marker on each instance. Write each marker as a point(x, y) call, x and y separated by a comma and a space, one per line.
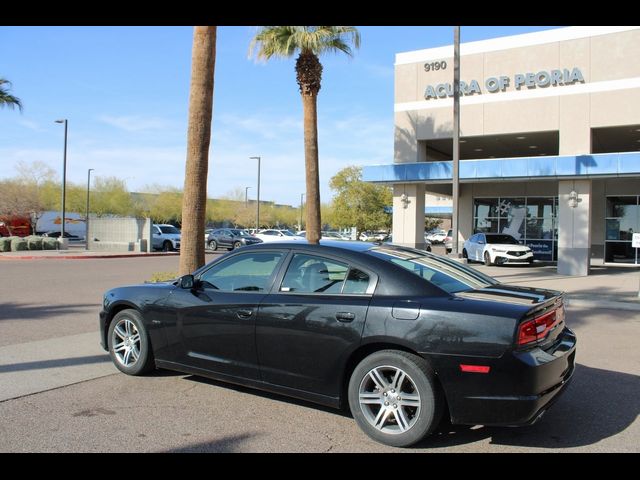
point(549, 142)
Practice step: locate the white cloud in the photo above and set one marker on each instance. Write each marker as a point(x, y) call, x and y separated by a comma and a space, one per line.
point(135, 123)
point(30, 124)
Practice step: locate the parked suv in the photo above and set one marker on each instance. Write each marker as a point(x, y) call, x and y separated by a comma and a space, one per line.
point(231, 238)
point(165, 237)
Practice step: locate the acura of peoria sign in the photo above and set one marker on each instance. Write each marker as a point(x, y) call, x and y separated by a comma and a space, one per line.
point(529, 80)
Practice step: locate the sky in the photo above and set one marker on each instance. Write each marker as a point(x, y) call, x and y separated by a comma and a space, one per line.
point(124, 91)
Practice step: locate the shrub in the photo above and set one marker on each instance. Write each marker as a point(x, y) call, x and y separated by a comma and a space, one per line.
point(5, 244)
point(19, 245)
point(49, 243)
point(34, 242)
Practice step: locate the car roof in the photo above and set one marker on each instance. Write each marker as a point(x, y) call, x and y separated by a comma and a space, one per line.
point(396, 280)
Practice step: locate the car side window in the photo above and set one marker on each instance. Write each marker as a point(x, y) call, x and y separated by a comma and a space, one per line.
point(248, 272)
point(312, 274)
point(357, 282)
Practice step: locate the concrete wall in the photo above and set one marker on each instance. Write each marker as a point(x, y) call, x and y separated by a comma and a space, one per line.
point(120, 234)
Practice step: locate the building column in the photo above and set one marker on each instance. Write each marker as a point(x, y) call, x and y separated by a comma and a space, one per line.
point(574, 227)
point(408, 215)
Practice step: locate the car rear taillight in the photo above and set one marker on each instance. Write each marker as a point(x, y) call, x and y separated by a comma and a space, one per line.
point(537, 328)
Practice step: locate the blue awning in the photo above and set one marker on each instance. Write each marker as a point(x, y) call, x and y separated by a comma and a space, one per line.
point(530, 168)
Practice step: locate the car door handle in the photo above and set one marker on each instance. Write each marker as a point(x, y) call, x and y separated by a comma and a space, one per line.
point(345, 316)
point(244, 313)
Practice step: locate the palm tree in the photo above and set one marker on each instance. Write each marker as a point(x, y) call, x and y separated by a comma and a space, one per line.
point(310, 42)
point(6, 99)
point(194, 200)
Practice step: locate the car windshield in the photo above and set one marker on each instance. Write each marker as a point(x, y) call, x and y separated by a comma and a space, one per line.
point(287, 233)
point(450, 276)
point(502, 239)
point(169, 229)
point(239, 233)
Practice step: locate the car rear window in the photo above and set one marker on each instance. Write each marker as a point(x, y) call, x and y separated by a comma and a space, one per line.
point(446, 274)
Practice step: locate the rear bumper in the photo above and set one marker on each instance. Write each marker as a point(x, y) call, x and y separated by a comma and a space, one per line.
point(517, 391)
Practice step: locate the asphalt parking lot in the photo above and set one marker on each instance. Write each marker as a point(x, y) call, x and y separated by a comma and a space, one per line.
point(76, 401)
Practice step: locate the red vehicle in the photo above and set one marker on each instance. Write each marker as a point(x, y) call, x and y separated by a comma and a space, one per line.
point(15, 226)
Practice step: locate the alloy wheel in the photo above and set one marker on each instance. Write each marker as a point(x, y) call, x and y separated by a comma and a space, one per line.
point(389, 399)
point(126, 342)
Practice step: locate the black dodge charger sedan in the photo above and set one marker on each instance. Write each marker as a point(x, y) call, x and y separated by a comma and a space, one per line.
point(399, 335)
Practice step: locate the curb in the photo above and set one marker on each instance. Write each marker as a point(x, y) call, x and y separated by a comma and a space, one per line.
point(85, 257)
point(608, 304)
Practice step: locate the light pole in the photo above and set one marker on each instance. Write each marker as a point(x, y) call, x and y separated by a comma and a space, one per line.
point(86, 237)
point(301, 200)
point(258, 201)
point(64, 177)
point(455, 189)
point(246, 196)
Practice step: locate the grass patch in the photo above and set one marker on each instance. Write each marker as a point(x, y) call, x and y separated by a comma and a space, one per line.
point(163, 276)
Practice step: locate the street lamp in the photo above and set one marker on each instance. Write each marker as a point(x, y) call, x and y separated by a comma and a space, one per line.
point(246, 196)
point(258, 202)
point(301, 200)
point(64, 178)
point(87, 217)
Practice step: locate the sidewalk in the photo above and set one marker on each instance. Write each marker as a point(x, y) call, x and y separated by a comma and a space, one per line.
point(604, 287)
point(76, 252)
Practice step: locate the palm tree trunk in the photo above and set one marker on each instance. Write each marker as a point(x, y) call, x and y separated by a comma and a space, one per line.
point(194, 201)
point(310, 110)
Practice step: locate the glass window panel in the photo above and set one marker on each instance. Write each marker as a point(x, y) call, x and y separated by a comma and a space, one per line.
point(248, 273)
point(311, 274)
point(619, 252)
point(617, 206)
point(357, 282)
point(486, 225)
point(506, 205)
point(485, 207)
point(627, 218)
point(540, 207)
point(514, 225)
point(539, 228)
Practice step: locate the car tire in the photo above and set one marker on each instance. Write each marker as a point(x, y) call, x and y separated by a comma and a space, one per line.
point(237, 245)
point(129, 345)
point(394, 398)
point(487, 259)
point(213, 245)
point(167, 246)
point(465, 255)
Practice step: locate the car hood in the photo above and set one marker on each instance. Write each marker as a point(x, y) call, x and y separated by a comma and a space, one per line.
point(509, 246)
point(526, 296)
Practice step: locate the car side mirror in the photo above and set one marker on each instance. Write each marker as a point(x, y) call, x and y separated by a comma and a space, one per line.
point(187, 282)
point(481, 242)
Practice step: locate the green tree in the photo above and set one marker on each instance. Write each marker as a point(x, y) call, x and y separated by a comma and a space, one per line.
point(109, 196)
point(166, 206)
point(310, 42)
point(7, 100)
point(194, 201)
point(359, 204)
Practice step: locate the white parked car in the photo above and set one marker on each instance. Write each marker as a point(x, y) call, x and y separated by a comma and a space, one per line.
point(325, 235)
point(437, 237)
point(165, 237)
point(496, 248)
point(272, 235)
